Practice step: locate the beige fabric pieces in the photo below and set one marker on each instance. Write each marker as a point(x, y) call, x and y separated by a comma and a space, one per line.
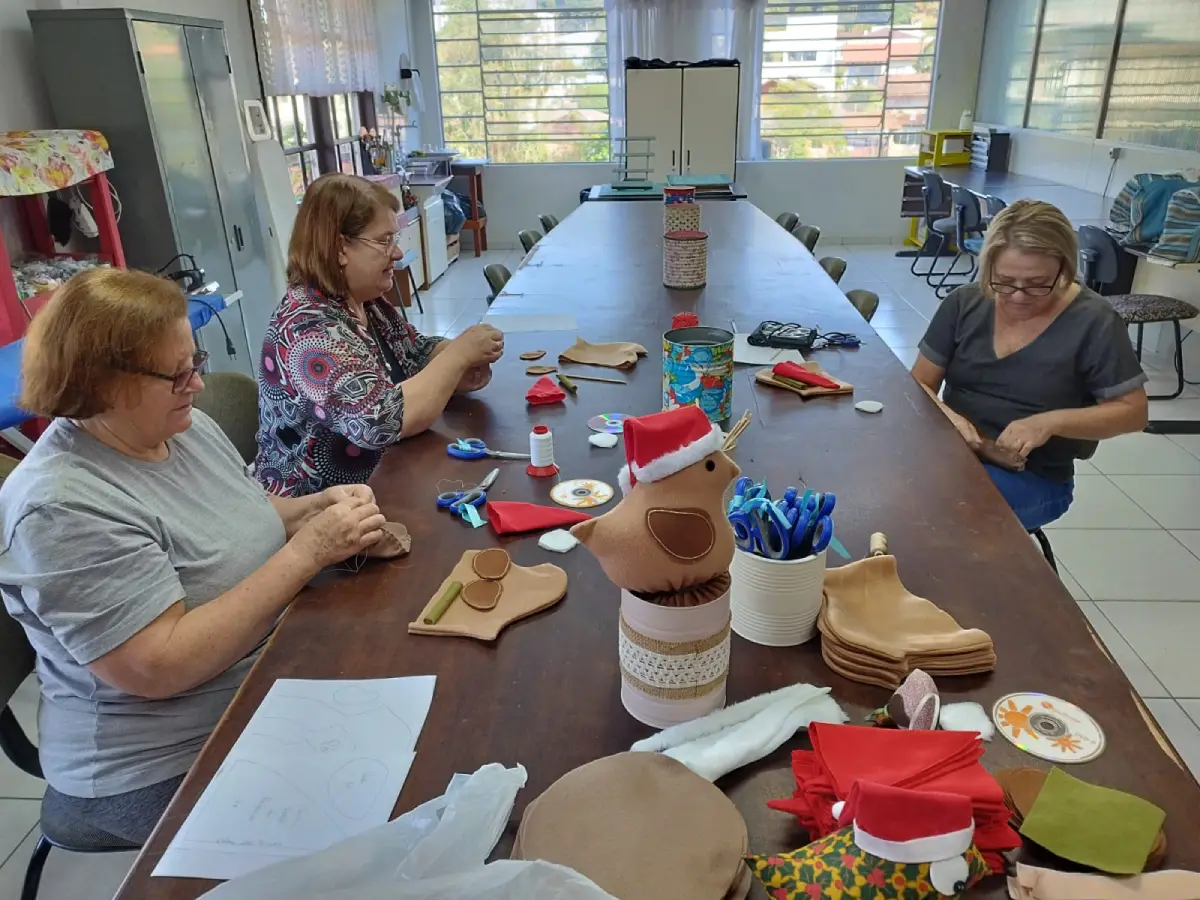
point(875, 632)
point(1033, 883)
point(642, 826)
point(396, 542)
point(615, 355)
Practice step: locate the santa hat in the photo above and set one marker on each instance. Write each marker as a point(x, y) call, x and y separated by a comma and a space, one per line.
point(659, 445)
point(908, 826)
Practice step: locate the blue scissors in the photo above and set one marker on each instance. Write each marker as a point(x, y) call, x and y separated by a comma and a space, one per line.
point(763, 527)
point(744, 489)
point(813, 529)
point(474, 448)
point(458, 501)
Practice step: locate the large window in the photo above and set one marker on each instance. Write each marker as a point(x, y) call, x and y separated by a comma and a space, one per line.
point(319, 134)
point(846, 78)
point(1072, 64)
point(523, 80)
point(1009, 40)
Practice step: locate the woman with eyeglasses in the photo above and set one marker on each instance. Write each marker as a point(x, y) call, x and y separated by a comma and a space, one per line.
point(1037, 368)
point(342, 375)
point(145, 565)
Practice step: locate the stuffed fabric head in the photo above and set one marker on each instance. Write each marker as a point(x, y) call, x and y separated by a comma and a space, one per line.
point(669, 532)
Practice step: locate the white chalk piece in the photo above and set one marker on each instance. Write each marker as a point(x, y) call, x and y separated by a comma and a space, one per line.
point(603, 439)
point(558, 541)
point(966, 717)
point(869, 406)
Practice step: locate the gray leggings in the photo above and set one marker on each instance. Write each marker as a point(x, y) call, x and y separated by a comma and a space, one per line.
point(130, 816)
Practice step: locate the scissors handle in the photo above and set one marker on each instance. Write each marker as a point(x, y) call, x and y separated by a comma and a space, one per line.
point(467, 448)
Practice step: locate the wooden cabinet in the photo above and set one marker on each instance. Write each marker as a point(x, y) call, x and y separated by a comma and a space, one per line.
point(654, 108)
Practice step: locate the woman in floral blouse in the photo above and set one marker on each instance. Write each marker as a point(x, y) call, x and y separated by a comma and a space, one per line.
point(342, 375)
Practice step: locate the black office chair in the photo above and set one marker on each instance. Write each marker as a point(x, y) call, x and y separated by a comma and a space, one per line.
point(834, 266)
point(968, 238)
point(935, 199)
point(787, 220)
point(994, 205)
point(866, 302)
point(1047, 550)
point(497, 277)
point(808, 235)
point(59, 828)
point(528, 238)
point(1099, 255)
point(548, 222)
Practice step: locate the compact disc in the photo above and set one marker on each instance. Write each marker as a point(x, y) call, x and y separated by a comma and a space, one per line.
point(581, 493)
point(613, 423)
point(1048, 728)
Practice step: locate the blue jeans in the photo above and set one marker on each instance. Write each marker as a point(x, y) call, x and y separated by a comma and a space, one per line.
point(1037, 501)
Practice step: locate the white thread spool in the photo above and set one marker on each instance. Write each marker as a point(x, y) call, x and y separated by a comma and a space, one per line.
point(541, 452)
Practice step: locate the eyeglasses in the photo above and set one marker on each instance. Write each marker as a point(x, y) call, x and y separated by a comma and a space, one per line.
point(384, 245)
point(180, 380)
point(1029, 290)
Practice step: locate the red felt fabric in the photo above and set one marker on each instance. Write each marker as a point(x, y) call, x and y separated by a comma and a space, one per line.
point(685, 320)
point(797, 372)
point(510, 517)
point(544, 390)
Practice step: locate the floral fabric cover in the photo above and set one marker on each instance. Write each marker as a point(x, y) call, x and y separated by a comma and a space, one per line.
point(37, 162)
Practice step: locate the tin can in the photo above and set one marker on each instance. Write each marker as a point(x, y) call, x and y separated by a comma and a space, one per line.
point(681, 217)
point(685, 260)
point(698, 370)
point(682, 194)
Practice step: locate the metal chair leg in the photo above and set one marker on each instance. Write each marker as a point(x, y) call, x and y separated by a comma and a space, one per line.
point(1179, 382)
point(947, 288)
point(1138, 348)
point(930, 235)
point(1047, 550)
point(33, 873)
point(416, 293)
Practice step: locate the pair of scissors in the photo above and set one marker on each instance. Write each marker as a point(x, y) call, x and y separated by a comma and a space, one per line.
point(466, 503)
point(474, 448)
point(744, 489)
point(763, 527)
point(813, 529)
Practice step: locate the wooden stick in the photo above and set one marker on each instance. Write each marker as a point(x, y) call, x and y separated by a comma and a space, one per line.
point(735, 432)
point(597, 378)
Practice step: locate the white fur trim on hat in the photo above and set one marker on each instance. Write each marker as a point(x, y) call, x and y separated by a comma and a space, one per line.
point(676, 461)
point(921, 850)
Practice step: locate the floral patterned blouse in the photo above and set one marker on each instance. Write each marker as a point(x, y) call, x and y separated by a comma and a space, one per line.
point(328, 407)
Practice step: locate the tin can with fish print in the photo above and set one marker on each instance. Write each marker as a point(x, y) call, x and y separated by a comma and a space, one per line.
point(698, 370)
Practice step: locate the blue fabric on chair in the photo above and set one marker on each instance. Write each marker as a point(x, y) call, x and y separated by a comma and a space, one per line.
point(973, 245)
point(11, 415)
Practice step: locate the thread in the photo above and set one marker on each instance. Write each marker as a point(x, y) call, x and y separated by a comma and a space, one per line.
point(541, 452)
point(878, 545)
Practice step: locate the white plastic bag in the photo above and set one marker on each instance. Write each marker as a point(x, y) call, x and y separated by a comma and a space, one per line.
point(434, 852)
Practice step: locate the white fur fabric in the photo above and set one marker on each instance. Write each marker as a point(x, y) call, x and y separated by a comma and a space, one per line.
point(740, 734)
point(966, 717)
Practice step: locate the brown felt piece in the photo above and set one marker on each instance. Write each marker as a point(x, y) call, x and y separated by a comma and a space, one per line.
point(686, 534)
point(482, 595)
point(492, 564)
point(992, 452)
point(629, 551)
point(533, 354)
point(527, 590)
point(642, 826)
point(697, 595)
point(615, 355)
point(396, 542)
point(541, 370)
point(765, 376)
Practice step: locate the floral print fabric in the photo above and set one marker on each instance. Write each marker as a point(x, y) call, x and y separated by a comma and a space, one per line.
point(37, 162)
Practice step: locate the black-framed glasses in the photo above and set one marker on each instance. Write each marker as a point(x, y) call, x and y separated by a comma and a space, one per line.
point(180, 380)
point(385, 245)
point(1029, 290)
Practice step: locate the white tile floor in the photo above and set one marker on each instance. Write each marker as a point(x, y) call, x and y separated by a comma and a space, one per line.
point(1128, 551)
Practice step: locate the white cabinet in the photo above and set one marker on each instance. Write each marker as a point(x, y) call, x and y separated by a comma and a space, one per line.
point(433, 239)
point(691, 111)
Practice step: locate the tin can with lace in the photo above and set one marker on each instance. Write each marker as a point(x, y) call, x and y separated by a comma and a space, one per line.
point(698, 370)
point(685, 260)
point(681, 217)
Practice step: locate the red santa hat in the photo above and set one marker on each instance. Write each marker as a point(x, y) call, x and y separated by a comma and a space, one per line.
point(659, 445)
point(908, 826)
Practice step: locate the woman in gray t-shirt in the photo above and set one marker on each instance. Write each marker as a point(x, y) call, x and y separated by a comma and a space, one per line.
point(1037, 368)
point(144, 564)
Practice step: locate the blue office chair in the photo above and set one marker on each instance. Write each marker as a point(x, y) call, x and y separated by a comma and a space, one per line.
point(968, 238)
point(938, 227)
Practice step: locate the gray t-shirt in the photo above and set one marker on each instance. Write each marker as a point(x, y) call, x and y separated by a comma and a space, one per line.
point(1083, 356)
point(96, 546)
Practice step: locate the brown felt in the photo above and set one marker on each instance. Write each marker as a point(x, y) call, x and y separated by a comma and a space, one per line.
point(631, 556)
point(482, 595)
point(765, 376)
point(615, 355)
point(685, 534)
point(492, 564)
point(533, 354)
point(992, 452)
point(697, 595)
point(527, 590)
point(541, 370)
point(642, 826)
point(396, 542)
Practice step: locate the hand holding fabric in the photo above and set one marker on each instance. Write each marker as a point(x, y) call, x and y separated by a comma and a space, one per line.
point(478, 345)
point(476, 378)
point(1023, 436)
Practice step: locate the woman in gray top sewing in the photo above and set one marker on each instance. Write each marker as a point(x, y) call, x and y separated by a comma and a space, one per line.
point(1037, 368)
point(144, 564)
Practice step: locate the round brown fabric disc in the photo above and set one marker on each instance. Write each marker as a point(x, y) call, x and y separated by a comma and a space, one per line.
point(482, 595)
point(491, 565)
point(533, 354)
point(642, 826)
point(541, 370)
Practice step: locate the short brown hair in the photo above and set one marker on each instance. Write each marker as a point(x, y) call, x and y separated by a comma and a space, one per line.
point(1031, 226)
point(334, 205)
point(97, 327)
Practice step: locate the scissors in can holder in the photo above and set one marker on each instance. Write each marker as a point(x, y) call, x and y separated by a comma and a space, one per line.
point(762, 527)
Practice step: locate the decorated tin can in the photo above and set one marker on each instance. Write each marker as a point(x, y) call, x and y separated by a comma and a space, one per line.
point(681, 217)
point(685, 260)
point(682, 194)
point(698, 370)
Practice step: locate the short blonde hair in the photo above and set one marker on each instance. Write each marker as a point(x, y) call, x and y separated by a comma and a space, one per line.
point(1031, 226)
point(98, 327)
point(334, 205)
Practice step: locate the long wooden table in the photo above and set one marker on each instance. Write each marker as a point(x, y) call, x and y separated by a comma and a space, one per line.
point(546, 693)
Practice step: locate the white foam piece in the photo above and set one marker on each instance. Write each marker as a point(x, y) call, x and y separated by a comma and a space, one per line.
point(603, 439)
point(558, 541)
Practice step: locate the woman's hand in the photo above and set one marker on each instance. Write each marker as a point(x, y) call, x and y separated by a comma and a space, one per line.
point(475, 379)
point(344, 529)
point(479, 345)
point(1023, 436)
point(343, 493)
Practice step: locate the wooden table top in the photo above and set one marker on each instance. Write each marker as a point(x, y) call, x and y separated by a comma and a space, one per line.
point(546, 693)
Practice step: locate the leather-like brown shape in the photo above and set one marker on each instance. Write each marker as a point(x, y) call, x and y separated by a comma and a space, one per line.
point(615, 355)
point(493, 564)
point(540, 370)
point(482, 595)
point(698, 595)
point(396, 542)
point(686, 534)
point(533, 354)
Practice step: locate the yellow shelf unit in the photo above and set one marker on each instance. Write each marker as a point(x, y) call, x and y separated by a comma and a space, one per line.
point(945, 148)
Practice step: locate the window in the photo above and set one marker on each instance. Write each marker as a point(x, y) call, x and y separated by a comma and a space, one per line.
point(1009, 39)
point(289, 118)
point(1072, 65)
point(345, 133)
point(318, 134)
point(523, 81)
point(846, 78)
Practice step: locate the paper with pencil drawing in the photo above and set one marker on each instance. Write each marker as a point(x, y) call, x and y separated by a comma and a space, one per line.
point(319, 761)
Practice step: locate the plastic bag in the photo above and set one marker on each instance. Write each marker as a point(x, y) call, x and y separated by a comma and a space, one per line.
point(434, 852)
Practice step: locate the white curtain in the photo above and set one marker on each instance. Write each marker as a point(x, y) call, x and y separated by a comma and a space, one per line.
point(317, 47)
point(689, 31)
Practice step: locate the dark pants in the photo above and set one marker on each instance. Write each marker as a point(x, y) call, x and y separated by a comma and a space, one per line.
point(130, 816)
point(1036, 500)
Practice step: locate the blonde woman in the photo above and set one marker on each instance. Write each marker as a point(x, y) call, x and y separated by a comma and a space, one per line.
point(1032, 360)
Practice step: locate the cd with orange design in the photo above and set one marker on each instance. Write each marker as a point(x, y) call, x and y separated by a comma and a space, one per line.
point(1048, 728)
point(581, 493)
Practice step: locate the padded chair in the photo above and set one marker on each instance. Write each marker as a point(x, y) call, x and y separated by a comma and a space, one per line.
point(787, 221)
point(1099, 253)
point(1047, 551)
point(58, 827)
point(497, 277)
point(968, 238)
point(834, 266)
point(528, 238)
point(994, 205)
point(808, 235)
point(231, 399)
point(935, 198)
point(548, 222)
point(866, 302)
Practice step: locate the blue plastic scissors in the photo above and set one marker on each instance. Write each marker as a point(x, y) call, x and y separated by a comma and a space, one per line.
point(458, 501)
point(763, 527)
point(744, 489)
point(813, 530)
point(474, 448)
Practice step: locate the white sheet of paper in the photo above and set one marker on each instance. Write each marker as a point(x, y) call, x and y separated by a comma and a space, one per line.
point(319, 761)
point(515, 323)
point(748, 355)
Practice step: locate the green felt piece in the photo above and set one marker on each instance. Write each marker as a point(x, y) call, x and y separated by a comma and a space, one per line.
point(1111, 831)
point(686, 180)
